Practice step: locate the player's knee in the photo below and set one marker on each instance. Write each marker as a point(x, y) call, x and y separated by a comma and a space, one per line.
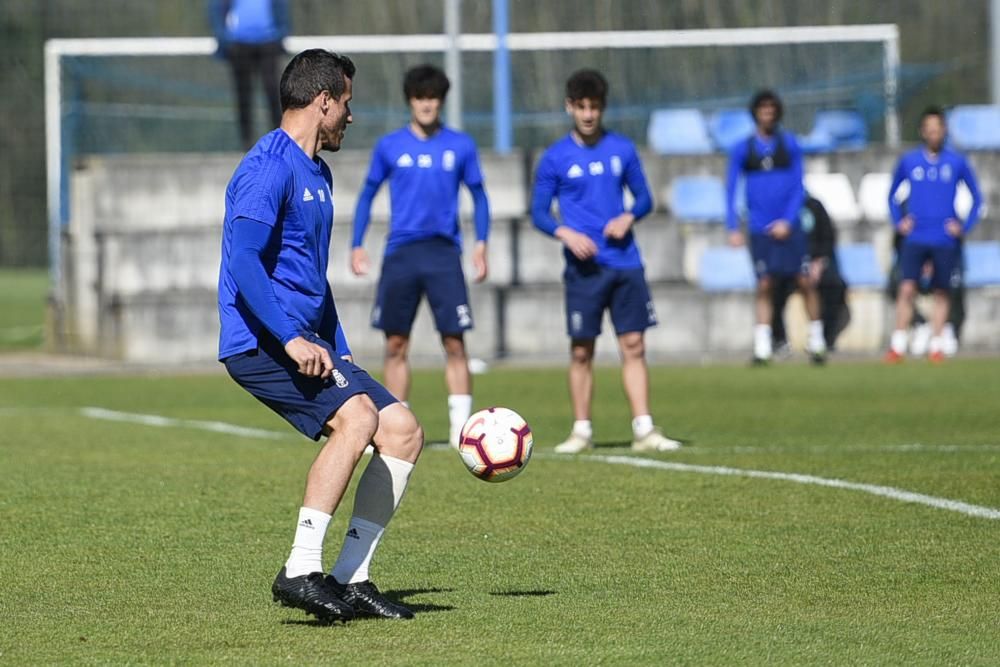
point(764, 284)
point(400, 434)
point(454, 347)
point(397, 347)
point(907, 289)
point(358, 417)
point(633, 346)
point(581, 354)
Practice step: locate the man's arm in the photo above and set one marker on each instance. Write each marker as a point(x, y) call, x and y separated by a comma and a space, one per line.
point(377, 173)
point(249, 238)
point(635, 180)
point(217, 10)
point(895, 210)
point(795, 201)
point(733, 172)
point(968, 176)
point(542, 194)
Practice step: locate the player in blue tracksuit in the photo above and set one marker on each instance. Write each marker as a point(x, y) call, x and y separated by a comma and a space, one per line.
point(930, 228)
point(281, 340)
point(771, 163)
point(587, 172)
point(425, 163)
point(249, 34)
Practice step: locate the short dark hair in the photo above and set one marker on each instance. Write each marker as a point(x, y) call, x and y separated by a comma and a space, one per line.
point(310, 73)
point(425, 82)
point(766, 96)
point(587, 84)
point(932, 110)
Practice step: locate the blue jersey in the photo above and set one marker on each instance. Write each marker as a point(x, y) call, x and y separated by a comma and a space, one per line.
point(933, 182)
point(772, 167)
point(424, 176)
point(277, 185)
point(589, 183)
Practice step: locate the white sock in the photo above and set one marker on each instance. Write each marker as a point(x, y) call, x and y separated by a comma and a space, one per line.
point(459, 409)
point(937, 345)
point(898, 341)
point(762, 341)
point(307, 550)
point(817, 343)
point(642, 426)
point(583, 428)
point(379, 493)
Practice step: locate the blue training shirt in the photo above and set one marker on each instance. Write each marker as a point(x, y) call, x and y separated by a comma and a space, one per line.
point(424, 176)
point(277, 186)
point(589, 183)
point(774, 192)
point(933, 182)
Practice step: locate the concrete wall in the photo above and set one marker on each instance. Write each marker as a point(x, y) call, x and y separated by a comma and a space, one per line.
point(142, 254)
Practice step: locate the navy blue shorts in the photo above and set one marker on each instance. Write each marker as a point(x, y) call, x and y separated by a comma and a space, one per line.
point(432, 267)
point(307, 403)
point(947, 271)
point(771, 257)
point(592, 288)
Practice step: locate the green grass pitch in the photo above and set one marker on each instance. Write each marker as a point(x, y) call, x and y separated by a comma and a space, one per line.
point(128, 543)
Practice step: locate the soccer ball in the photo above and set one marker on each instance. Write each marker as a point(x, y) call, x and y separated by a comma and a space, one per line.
point(495, 444)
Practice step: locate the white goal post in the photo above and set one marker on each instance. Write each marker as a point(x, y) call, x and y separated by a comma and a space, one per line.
point(56, 49)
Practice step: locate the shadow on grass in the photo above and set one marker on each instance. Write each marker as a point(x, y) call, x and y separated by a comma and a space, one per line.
point(627, 444)
point(398, 596)
point(538, 593)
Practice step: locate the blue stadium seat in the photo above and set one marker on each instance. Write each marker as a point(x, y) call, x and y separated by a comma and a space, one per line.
point(678, 132)
point(698, 199)
point(982, 263)
point(974, 127)
point(859, 266)
point(847, 128)
point(730, 127)
point(817, 141)
point(726, 269)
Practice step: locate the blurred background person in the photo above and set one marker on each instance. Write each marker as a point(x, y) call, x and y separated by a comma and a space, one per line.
point(930, 229)
point(824, 274)
point(249, 33)
point(771, 162)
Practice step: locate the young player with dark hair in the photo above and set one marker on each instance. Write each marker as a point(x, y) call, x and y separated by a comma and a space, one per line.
point(282, 341)
point(930, 228)
point(771, 162)
point(587, 172)
point(425, 162)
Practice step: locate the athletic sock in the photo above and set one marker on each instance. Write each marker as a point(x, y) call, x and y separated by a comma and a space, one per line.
point(897, 343)
point(459, 409)
point(307, 549)
point(642, 426)
point(379, 493)
point(583, 428)
point(817, 343)
point(762, 341)
point(937, 345)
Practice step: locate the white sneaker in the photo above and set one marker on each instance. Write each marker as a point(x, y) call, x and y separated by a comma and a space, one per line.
point(574, 444)
point(949, 342)
point(655, 441)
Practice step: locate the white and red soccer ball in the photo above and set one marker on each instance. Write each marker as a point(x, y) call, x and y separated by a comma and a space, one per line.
point(495, 444)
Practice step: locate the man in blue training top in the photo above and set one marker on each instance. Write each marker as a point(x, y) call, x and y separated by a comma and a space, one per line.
point(425, 162)
point(771, 162)
point(587, 171)
point(281, 340)
point(930, 228)
point(249, 35)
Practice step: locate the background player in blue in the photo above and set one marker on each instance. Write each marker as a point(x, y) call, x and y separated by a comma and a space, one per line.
point(931, 229)
point(281, 340)
point(587, 171)
point(424, 163)
point(771, 162)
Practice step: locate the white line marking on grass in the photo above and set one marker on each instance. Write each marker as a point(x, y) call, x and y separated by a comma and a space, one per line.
point(885, 491)
point(893, 493)
point(161, 421)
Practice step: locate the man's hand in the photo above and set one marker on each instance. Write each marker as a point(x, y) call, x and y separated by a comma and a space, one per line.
point(359, 261)
point(905, 225)
point(582, 247)
point(479, 262)
point(619, 226)
point(736, 239)
point(953, 227)
point(780, 230)
point(313, 360)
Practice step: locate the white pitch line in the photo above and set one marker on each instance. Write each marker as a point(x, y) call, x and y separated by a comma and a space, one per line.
point(890, 492)
point(161, 421)
point(901, 495)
